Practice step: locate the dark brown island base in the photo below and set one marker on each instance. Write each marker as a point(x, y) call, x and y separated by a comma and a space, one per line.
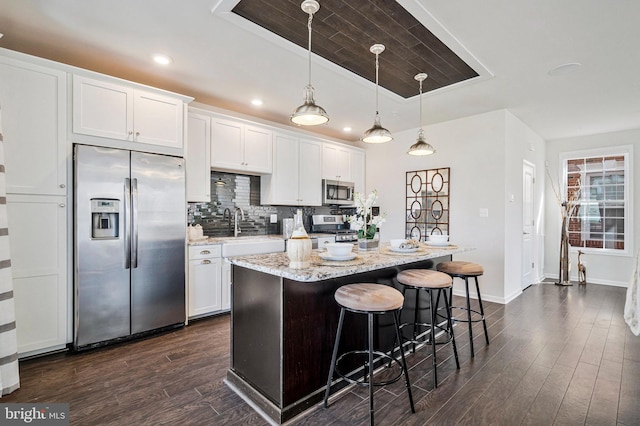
point(284, 321)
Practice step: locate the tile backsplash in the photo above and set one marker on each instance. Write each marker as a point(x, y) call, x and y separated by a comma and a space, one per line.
point(240, 191)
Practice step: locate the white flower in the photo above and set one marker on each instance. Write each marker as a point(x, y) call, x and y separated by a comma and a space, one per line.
point(364, 219)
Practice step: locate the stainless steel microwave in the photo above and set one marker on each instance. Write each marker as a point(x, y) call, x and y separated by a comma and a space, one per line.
point(336, 192)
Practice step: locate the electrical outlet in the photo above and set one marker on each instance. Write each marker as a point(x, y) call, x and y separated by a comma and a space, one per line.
point(484, 212)
point(274, 218)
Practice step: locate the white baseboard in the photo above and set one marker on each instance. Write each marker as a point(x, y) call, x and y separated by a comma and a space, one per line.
point(591, 281)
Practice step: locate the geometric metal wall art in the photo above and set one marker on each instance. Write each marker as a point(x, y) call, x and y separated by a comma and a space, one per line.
point(427, 208)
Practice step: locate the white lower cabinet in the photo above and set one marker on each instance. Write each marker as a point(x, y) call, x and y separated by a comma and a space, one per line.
point(226, 285)
point(205, 280)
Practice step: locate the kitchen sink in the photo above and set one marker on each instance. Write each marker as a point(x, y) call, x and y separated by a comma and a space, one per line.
point(247, 246)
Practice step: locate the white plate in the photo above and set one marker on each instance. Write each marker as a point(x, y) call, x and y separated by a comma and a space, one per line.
point(327, 256)
point(403, 250)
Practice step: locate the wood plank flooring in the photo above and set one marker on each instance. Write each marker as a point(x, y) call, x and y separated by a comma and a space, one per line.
point(558, 356)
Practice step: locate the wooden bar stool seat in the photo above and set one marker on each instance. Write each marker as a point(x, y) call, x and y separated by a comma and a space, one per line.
point(370, 299)
point(429, 281)
point(465, 270)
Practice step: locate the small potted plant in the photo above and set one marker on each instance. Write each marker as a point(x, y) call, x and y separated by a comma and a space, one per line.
point(365, 222)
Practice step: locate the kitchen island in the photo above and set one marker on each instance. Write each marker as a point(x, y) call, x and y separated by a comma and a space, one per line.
point(284, 321)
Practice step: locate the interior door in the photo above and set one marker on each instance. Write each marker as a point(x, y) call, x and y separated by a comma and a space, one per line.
point(528, 224)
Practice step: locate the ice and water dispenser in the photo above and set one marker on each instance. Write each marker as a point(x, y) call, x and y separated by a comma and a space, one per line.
point(105, 218)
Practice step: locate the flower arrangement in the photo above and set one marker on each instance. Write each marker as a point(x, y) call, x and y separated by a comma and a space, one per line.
point(364, 221)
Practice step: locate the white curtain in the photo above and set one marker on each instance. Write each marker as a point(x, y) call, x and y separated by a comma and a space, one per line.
point(9, 377)
point(632, 305)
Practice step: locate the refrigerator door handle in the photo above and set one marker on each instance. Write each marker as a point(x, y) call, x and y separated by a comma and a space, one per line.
point(127, 223)
point(134, 223)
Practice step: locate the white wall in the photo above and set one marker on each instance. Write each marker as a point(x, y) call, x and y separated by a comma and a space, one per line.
point(485, 153)
point(522, 143)
point(601, 269)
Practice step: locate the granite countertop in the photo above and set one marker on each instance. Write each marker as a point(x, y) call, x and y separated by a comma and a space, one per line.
point(221, 240)
point(278, 263)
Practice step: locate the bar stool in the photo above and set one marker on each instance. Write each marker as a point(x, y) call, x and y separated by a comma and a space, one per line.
point(466, 270)
point(369, 299)
point(429, 281)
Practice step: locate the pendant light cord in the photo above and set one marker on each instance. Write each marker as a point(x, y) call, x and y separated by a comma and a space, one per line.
point(309, 27)
point(377, 66)
point(420, 100)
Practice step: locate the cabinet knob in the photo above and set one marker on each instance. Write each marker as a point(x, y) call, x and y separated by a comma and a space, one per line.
point(206, 262)
point(205, 252)
point(130, 132)
point(137, 134)
point(62, 185)
point(61, 205)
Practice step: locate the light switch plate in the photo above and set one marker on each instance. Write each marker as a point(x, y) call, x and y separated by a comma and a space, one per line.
point(484, 212)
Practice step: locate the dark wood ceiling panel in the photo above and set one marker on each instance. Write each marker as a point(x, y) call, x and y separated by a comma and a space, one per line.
point(343, 32)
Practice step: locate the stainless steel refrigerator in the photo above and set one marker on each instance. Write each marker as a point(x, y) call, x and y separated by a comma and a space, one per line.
point(129, 231)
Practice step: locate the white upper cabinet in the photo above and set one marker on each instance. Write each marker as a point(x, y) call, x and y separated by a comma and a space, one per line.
point(198, 158)
point(310, 173)
point(241, 147)
point(336, 162)
point(111, 110)
point(34, 125)
point(358, 170)
point(297, 173)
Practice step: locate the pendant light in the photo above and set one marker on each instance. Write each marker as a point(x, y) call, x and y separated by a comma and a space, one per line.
point(421, 147)
point(377, 133)
point(309, 114)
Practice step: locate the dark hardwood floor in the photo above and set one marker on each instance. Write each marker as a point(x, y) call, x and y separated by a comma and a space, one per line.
point(558, 355)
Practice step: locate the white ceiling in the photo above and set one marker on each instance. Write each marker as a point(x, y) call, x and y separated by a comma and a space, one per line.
point(224, 61)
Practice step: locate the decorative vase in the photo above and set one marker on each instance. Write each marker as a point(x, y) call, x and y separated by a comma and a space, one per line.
point(299, 245)
point(366, 244)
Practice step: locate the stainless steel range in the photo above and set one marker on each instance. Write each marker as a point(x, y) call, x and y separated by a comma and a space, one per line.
point(333, 224)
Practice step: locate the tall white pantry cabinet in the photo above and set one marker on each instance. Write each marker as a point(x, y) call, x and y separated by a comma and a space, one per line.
point(34, 121)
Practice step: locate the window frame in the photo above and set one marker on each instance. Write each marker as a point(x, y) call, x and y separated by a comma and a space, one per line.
point(627, 152)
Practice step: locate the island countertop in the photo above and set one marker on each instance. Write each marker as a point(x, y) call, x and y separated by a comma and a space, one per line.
point(277, 264)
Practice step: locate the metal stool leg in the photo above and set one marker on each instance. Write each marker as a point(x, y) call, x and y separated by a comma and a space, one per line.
point(370, 368)
point(415, 320)
point(484, 323)
point(466, 285)
point(433, 339)
point(404, 362)
point(333, 357)
point(447, 306)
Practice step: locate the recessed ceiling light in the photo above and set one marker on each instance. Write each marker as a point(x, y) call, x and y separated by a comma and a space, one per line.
point(162, 59)
point(256, 102)
point(346, 129)
point(564, 69)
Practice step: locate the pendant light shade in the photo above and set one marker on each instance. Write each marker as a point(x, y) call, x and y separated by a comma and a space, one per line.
point(421, 147)
point(377, 133)
point(309, 114)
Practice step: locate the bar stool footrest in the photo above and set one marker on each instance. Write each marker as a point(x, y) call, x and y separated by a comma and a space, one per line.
point(473, 312)
point(363, 381)
point(427, 338)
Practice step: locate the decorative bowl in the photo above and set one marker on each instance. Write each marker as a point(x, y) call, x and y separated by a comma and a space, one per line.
point(438, 239)
point(339, 249)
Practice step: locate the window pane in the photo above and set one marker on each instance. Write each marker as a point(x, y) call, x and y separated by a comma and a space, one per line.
point(593, 164)
point(597, 186)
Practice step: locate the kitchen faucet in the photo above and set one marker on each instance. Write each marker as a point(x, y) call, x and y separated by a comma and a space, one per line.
point(224, 214)
point(236, 228)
